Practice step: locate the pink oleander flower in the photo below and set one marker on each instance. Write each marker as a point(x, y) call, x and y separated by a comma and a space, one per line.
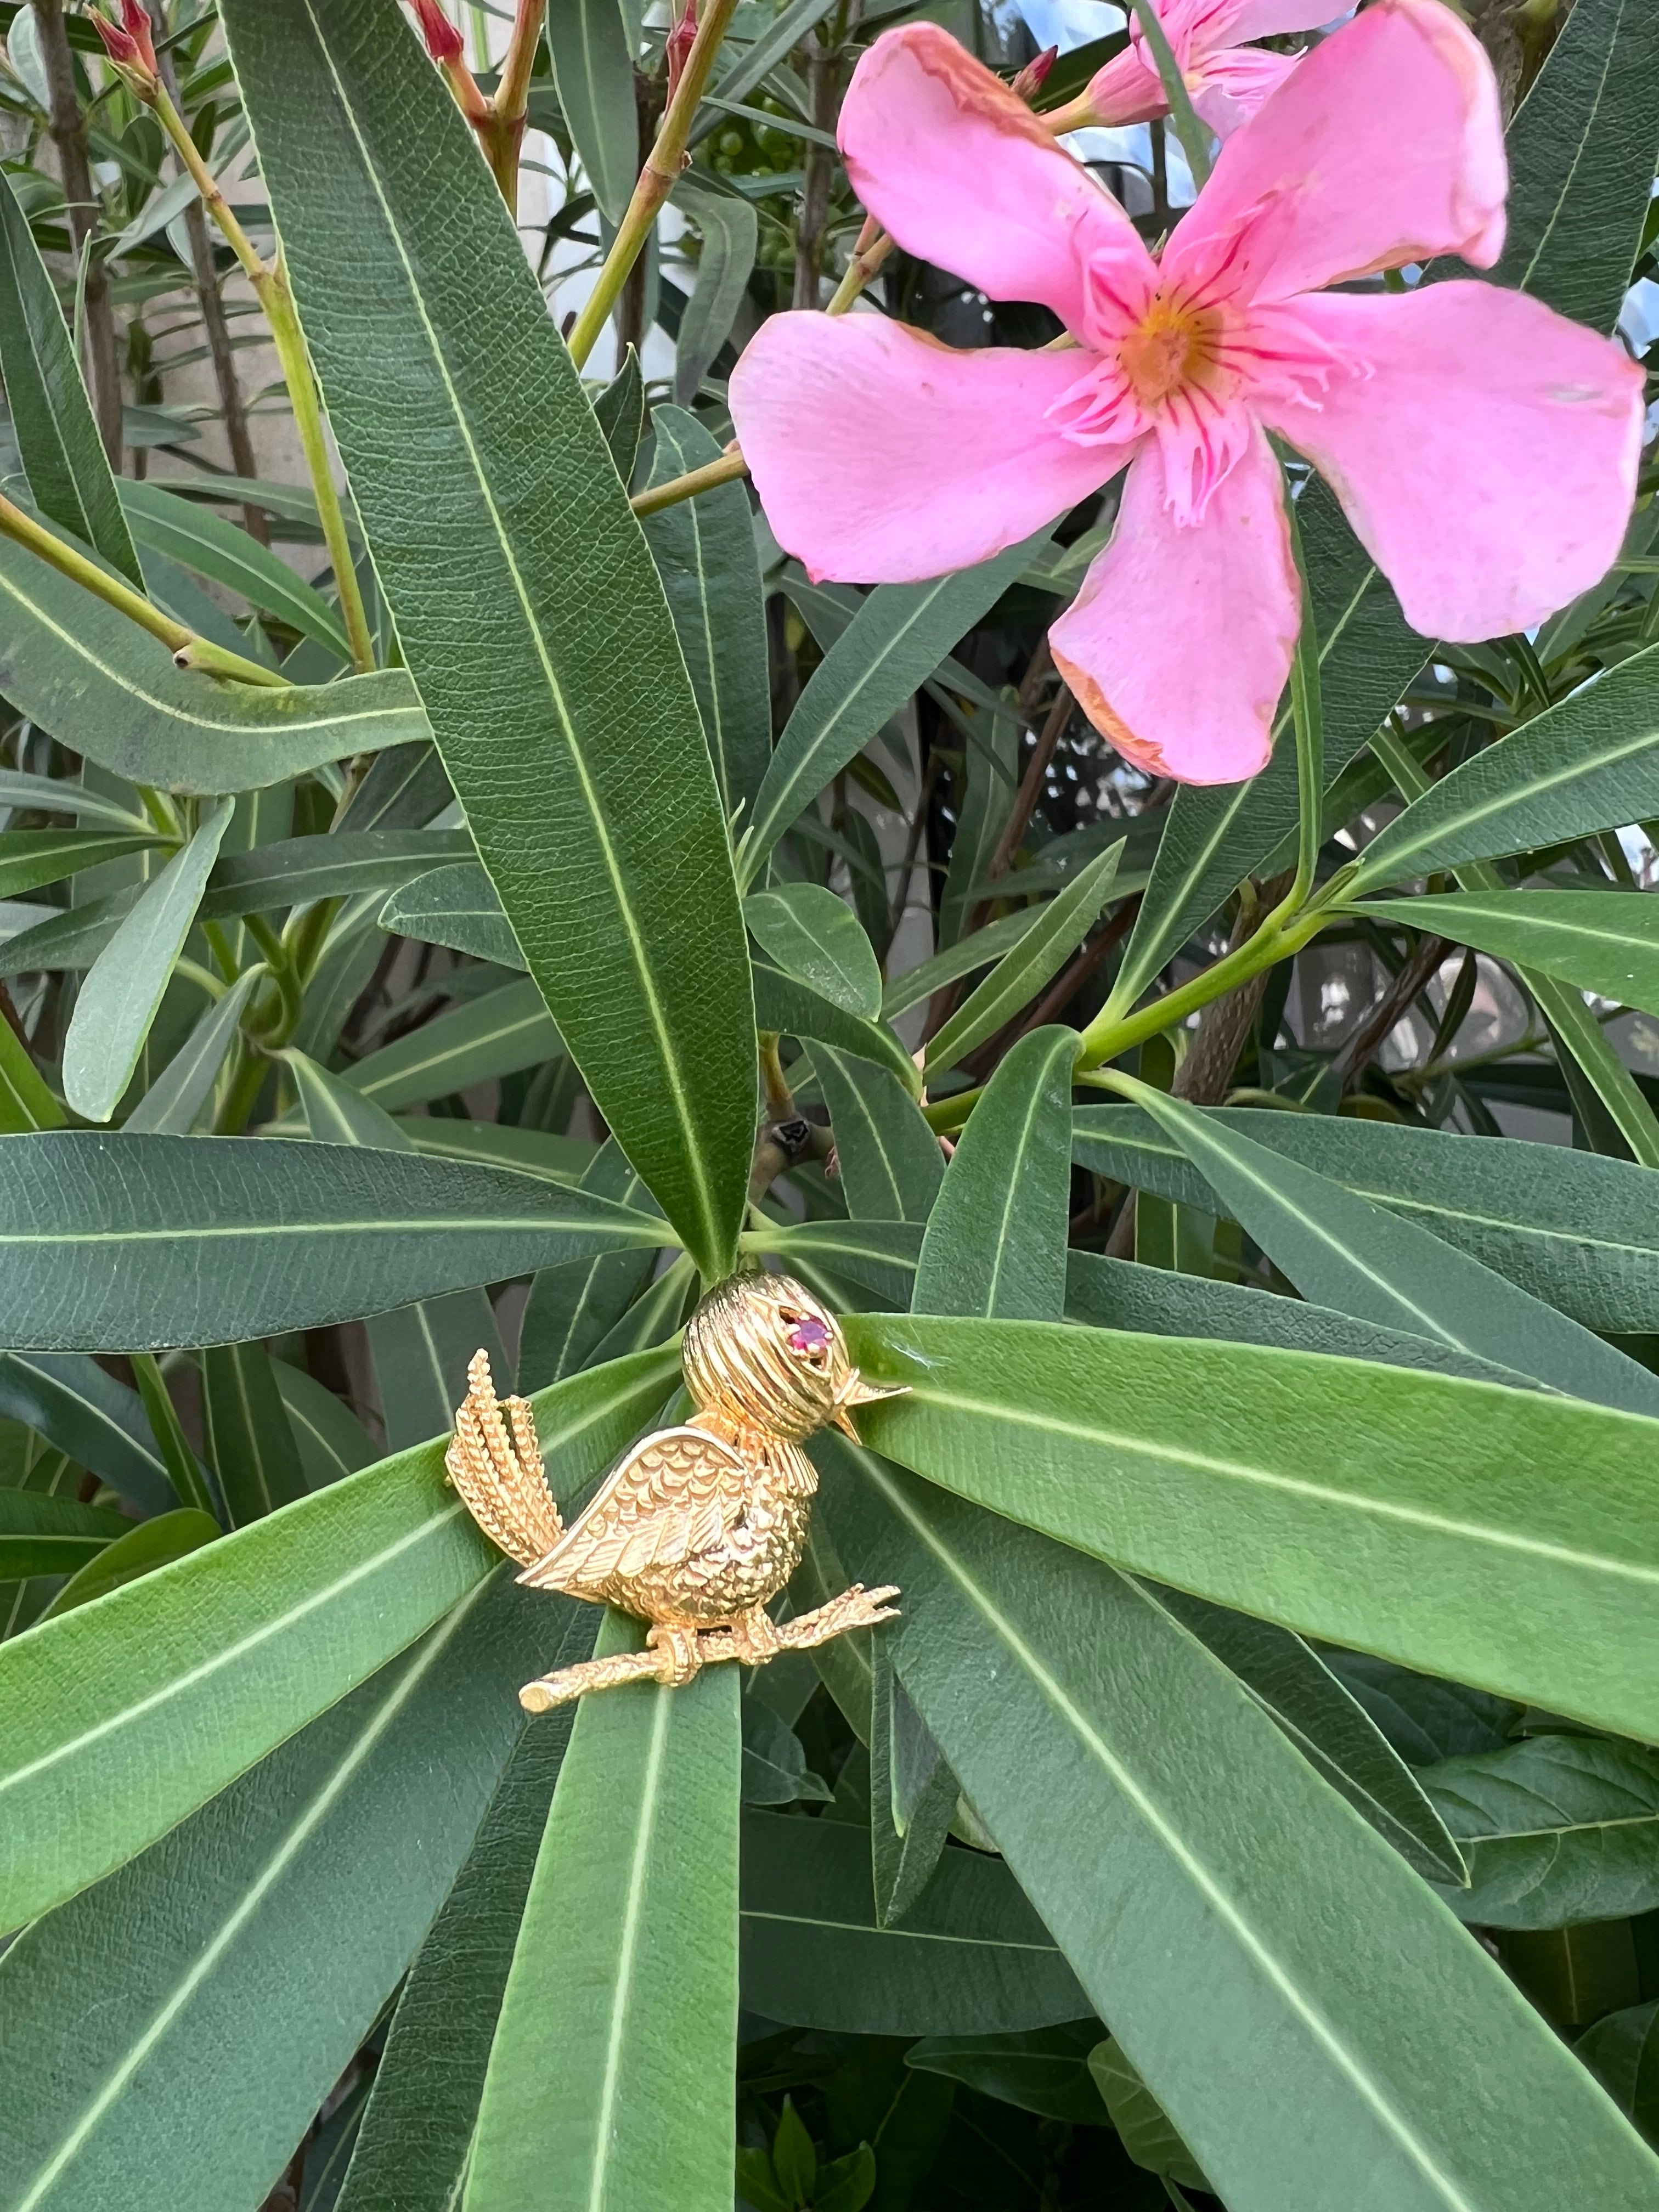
point(1228, 80)
point(1483, 447)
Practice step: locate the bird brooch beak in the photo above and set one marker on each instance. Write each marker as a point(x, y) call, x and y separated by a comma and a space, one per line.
point(855, 1391)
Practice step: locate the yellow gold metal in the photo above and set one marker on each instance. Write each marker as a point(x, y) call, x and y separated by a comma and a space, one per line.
point(699, 1526)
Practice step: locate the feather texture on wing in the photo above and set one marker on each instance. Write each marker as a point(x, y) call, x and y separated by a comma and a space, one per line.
point(676, 1494)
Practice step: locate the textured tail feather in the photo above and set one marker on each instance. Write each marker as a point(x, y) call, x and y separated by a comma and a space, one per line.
point(502, 1480)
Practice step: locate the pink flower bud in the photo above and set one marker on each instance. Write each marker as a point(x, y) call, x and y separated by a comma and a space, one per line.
point(1029, 80)
point(117, 44)
point(443, 41)
point(679, 44)
point(134, 20)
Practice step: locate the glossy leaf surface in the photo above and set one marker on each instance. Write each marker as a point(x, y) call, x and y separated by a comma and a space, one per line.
point(890, 1164)
point(1171, 1868)
point(899, 636)
point(187, 1240)
point(138, 1710)
point(585, 778)
point(1344, 1251)
point(704, 550)
point(105, 688)
point(123, 991)
point(276, 1920)
point(608, 2080)
point(51, 417)
point(417, 2133)
point(815, 937)
point(1344, 1500)
point(995, 1242)
point(1577, 1230)
point(1602, 941)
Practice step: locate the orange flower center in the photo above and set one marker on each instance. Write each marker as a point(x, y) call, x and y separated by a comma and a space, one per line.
point(1173, 345)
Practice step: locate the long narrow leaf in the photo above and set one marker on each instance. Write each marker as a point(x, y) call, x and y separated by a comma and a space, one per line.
point(276, 1922)
point(704, 550)
point(1345, 1252)
point(417, 2133)
point(1053, 1684)
point(503, 540)
point(124, 1243)
point(51, 417)
point(120, 1719)
point(106, 689)
point(193, 535)
point(124, 989)
point(1412, 1515)
point(897, 638)
point(610, 2079)
point(1579, 1230)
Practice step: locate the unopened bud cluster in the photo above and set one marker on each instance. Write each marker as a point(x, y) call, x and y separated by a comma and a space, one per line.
point(131, 47)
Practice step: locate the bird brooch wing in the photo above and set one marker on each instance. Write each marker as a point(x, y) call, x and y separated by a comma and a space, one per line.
point(675, 1494)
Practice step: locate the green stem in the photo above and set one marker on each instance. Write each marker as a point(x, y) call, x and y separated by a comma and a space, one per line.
point(204, 978)
point(501, 132)
point(1194, 138)
point(183, 1469)
point(277, 298)
point(188, 650)
point(726, 469)
point(861, 269)
point(212, 198)
point(1282, 933)
point(306, 934)
point(1307, 709)
point(280, 961)
point(657, 180)
point(242, 1094)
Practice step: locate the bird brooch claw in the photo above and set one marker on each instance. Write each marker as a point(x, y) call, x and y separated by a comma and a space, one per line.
point(698, 1526)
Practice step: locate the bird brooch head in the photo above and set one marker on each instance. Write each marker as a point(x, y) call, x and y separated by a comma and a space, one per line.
point(760, 1350)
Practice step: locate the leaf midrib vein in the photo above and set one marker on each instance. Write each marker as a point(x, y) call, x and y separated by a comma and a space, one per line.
point(1209, 1886)
point(696, 1163)
point(298, 1834)
point(1271, 1479)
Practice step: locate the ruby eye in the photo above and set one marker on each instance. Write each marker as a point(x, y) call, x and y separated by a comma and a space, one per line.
point(809, 1336)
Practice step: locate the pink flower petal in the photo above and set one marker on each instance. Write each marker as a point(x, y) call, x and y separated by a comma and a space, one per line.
point(883, 457)
point(1179, 643)
point(1384, 146)
point(1229, 22)
point(1127, 90)
point(1487, 463)
point(1228, 88)
point(963, 174)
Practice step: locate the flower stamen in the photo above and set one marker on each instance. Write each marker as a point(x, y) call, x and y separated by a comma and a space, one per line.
point(1175, 344)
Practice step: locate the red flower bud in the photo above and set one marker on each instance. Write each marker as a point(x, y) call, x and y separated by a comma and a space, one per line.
point(443, 41)
point(130, 47)
point(134, 20)
point(1029, 80)
point(116, 45)
point(677, 45)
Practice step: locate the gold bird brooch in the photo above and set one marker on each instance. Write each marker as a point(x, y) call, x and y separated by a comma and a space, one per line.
point(698, 1527)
